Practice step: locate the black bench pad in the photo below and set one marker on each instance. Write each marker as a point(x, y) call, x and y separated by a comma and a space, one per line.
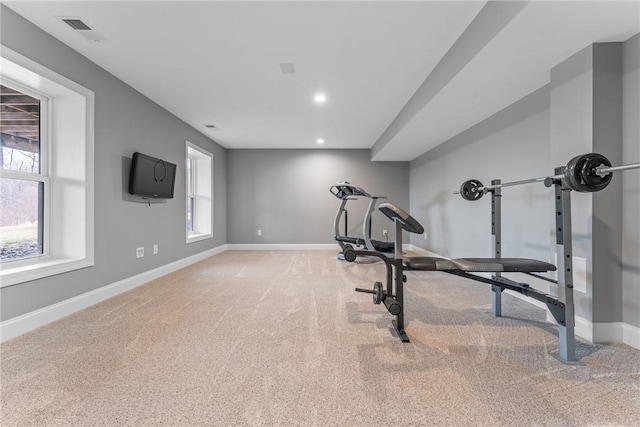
point(407, 222)
point(498, 265)
point(490, 265)
point(429, 264)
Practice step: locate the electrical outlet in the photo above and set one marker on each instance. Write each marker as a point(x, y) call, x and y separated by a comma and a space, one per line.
point(140, 252)
point(425, 235)
point(155, 249)
point(259, 232)
point(385, 233)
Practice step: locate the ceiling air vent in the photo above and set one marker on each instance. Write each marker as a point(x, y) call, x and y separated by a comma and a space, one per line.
point(212, 127)
point(76, 24)
point(83, 29)
point(287, 68)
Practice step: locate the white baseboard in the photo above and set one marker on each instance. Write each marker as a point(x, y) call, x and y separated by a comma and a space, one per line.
point(283, 247)
point(27, 322)
point(583, 328)
point(608, 332)
point(631, 335)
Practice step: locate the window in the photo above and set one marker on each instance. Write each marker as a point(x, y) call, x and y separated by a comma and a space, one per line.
point(46, 172)
point(24, 183)
point(199, 200)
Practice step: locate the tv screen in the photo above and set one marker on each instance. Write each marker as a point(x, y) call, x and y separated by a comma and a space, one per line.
point(151, 177)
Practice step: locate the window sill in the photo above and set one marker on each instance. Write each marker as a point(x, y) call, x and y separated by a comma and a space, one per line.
point(39, 270)
point(198, 237)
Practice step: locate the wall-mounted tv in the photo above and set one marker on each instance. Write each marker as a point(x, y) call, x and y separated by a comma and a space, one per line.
point(151, 178)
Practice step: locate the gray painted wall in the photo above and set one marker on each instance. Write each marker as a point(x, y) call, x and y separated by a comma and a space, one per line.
point(511, 145)
point(125, 122)
point(592, 105)
point(631, 182)
point(285, 193)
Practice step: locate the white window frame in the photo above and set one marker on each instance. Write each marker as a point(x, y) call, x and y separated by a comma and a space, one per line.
point(202, 192)
point(68, 163)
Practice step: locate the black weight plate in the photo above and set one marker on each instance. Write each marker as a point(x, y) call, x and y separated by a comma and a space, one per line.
point(378, 293)
point(472, 190)
point(571, 174)
point(580, 173)
point(589, 175)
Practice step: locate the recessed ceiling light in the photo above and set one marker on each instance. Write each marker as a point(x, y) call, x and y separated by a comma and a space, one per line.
point(320, 98)
point(320, 141)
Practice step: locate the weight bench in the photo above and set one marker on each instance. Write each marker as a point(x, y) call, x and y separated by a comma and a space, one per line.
point(465, 267)
point(393, 299)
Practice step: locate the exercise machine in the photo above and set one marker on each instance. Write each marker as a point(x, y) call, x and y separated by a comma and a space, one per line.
point(346, 192)
point(585, 173)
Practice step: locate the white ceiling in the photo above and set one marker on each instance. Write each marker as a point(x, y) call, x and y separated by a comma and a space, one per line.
point(214, 62)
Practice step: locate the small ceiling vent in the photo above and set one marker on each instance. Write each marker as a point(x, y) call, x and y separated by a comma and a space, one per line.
point(212, 127)
point(83, 29)
point(287, 68)
point(76, 24)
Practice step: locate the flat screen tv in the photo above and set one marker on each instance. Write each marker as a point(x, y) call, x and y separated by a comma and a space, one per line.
point(151, 178)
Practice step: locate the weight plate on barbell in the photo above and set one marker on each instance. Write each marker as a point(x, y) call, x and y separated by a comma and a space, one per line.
point(589, 172)
point(472, 190)
point(581, 173)
point(571, 175)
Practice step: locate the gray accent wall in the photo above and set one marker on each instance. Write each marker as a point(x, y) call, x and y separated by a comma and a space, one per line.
point(125, 122)
point(631, 183)
point(285, 194)
point(591, 105)
point(511, 145)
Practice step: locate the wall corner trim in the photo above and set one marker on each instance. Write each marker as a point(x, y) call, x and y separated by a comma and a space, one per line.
point(27, 322)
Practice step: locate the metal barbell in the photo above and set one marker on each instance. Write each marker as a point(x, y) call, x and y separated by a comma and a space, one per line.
point(585, 173)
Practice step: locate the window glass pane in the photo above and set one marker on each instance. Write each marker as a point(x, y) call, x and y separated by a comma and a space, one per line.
point(199, 199)
point(21, 219)
point(19, 131)
point(190, 208)
point(189, 176)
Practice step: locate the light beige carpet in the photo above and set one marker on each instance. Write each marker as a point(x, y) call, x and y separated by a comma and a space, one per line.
point(281, 338)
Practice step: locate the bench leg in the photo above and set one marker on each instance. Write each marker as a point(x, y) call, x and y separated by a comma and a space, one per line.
point(398, 323)
point(496, 301)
